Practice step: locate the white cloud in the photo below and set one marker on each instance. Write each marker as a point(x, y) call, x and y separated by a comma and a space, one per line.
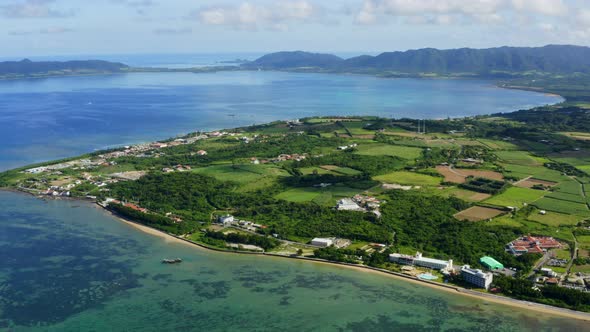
point(583, 17)
point(31, 9)
point(544, 7)
point(457, 11)
point(253, 16)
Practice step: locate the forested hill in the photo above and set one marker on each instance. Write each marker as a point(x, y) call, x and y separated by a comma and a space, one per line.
point(492, 61)
point(29, 68)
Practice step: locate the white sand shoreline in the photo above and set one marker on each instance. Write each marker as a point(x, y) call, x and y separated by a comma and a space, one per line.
point(538, 307)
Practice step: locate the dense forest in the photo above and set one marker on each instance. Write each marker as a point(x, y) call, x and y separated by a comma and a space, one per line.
point(492, 62)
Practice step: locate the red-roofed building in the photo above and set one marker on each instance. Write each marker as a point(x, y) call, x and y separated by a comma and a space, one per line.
point(135, 207)
point(532, 244)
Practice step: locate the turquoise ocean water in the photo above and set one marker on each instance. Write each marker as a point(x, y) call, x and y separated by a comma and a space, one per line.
point(67, 266)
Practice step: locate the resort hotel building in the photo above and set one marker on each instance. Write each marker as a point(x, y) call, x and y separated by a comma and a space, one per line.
point(477, 277)
point(419, 260)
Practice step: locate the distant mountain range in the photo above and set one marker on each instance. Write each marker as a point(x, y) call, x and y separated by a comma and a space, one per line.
point(465, 61)
point(45, 68)
point(509, 62)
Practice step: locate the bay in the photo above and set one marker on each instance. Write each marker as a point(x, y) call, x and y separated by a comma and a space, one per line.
point(68, 266)
point(46, 119)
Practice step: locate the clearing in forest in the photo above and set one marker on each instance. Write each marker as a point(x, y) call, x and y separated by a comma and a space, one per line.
point(478, 213)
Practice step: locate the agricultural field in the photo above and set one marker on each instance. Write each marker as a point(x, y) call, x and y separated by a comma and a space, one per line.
point(357, 128)
point(562, 206)
point(458, 175)
point(520, 158)
point(531, 182)
point(498, 145)
point(567, 197)
point(554, 219)
point(466, 195)
point(516, 197)
point(409, 178)
point(540, 172)
point(377, 149)
point(478, 213)
point(570, 186)
point(577, 135)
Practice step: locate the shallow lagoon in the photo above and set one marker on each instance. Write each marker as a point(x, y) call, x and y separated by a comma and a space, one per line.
point(68, 266)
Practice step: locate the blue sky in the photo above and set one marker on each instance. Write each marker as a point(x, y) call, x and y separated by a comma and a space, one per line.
point(62, 27)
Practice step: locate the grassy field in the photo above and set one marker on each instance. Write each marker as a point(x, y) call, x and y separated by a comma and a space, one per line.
point(516, 197)
point(311, 170)
point(581, 268)
point(584, 241)
point(562, 206)
point(357, 128)
point(555, 219)
point(520, 158)
point(321, 196)
point(250, 177)
point(406, 152)
point(299, 194)
point(409, 178)
point(342, 170)
point(563, 254)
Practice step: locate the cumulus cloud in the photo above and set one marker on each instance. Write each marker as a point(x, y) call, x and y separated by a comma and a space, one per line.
point(250, 16)
point(32, 9)
point(456, 11)
point(545, 7)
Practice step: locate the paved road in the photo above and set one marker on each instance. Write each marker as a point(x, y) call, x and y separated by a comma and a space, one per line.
point(540, 263)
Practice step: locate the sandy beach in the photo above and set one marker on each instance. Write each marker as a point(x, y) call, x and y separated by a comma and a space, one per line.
point(485, 297)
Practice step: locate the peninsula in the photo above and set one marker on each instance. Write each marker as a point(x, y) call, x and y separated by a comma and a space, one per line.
point(558, 69)
point(496, 203)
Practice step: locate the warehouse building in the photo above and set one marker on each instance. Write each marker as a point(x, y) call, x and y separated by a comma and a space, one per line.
point(490, 263)
point(322, 242)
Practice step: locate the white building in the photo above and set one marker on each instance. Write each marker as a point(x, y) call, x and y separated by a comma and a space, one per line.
point(418, 260)
point(348, 204)
point(548, 272)
point(401, 259)
point(432, 263)
point(322, 242)
point(477, 277)
point(227, 219)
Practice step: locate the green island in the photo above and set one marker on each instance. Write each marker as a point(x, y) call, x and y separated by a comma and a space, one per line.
point(497, 203)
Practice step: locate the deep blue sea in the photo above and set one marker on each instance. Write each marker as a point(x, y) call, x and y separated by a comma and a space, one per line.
point(45, 119)
point(68, 266)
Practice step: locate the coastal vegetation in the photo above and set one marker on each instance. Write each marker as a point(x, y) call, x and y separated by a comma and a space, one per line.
point(372, 186)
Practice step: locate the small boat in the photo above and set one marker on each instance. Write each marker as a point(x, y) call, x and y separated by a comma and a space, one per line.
point(171, 261)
